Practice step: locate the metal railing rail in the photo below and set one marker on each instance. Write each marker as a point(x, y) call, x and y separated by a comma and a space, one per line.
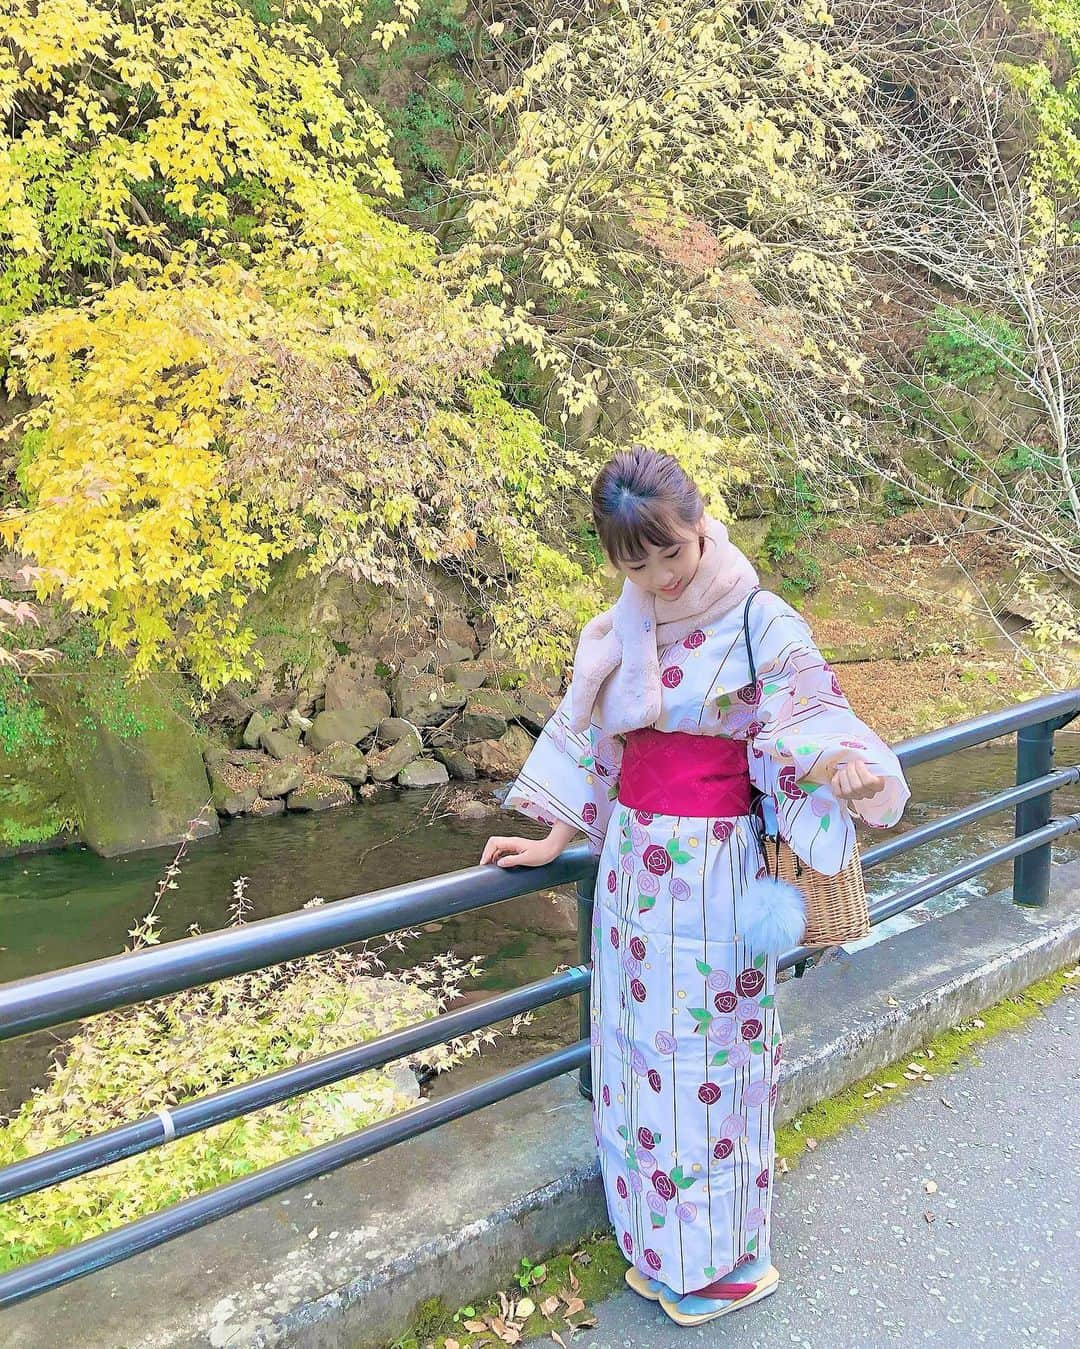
point(64, 995)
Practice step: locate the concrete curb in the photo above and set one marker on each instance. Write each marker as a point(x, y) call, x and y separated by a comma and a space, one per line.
point(338, 1264)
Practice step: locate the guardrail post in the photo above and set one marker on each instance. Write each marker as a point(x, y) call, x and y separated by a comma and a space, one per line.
point(1034, 759)
point(585, 892)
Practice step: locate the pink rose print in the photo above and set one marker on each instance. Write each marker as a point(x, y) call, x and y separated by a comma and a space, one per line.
point(753, 731)
point(774, 1092)
point(644, 816)
point(631, 966)
point(638, 1062)
point(761, 874)
point(638, 837)
point(637, 990)
point(627, 863)
point(789, 784)
point(594, 1035)
point(614, 935)
point(664, 1185)
point(723, 1149)
point(620, 1035)
point(647, 883)
point(607, 1094)
point(686, 1213)
point(751, 1030)
point(588, 812)
point(722, 1031)
point(620, 1185)
point(708, 1093)
point(655, 1080)
point(656, 860)
point(652, 1259)
point(680, 891)
point(645, 1138)
point(655, 1202)
point(750, 694)
point(750, 982)
point(722, 830)
point(755, 1218)
point(852, 744)
point(627, 1243)
point(747, 1008)
point(694, 640)
point(671, 677)
point(635, 1182)
point(645, 1160)
point(719, 981)
point(778, 1054)
point(743, 1259)
point(755, 1094)
point(725, 1002)
point(819, 807)
point(665, 1042)
point(612, 881)
point(734, 1126)
point(637, 948)
point(738, 1056)
point(762, 1181)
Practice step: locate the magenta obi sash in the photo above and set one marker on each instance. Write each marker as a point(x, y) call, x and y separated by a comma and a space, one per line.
point(676, 773)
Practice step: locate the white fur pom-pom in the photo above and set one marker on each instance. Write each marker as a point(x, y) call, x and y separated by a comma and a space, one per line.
point(773, 916)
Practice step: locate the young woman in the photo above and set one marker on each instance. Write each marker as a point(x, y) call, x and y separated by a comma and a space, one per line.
point(657, 753)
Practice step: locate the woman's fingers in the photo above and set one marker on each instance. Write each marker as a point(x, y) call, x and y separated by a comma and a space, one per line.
point(856, 780)
point(505, 852)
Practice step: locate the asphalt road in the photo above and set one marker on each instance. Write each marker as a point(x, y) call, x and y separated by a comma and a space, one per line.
point(869, 1257)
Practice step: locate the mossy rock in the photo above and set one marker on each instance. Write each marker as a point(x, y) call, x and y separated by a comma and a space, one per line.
point(468, 674)
point(425, 699)
point(347, 725)
point(36, 800)
point(423, 773)
point(458, 763)
point(343, 761)
point(138, 777)
point(282, 779)
point(320, 793)
point(387, 764)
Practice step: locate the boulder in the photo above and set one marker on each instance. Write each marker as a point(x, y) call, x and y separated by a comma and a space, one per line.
point(475, 810)
point(458, 763)
point(534, 710)
point(282, 745)
point(454, 628)
point(425, 699)
point(388, 763)
point(136, 773)
point(504, 757)
point(423, 773)
point(487, 715)
point(258, 722)
point(230, 798)
point(282, 779)
point(351, 683)
point(466, 673)
point(319, 793)
point(342, 761)
point(392, 729)
point(265, 806)
point(349, 725)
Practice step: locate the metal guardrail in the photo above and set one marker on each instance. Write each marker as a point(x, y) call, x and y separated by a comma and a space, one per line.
point(65, 995)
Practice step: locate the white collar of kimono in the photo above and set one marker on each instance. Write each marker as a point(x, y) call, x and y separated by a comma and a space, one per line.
point(616, 681)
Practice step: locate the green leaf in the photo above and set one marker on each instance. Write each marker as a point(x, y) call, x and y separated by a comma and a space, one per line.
point(825, 823)
point(624, 848)
point(759, 962)
point(624, 1132)
point(680, 857)
point(586, 761)
point(710, 1271)
point(757, 1047)
point(701, 1014)
point(723, 702)
point(684, 1182)
point(720, 1059)
point(751, 1245)
point(645, 902)
point(657, 1219)
point(767, 1001)
point(703, 968)
point(672, 846)
point(676, 1174)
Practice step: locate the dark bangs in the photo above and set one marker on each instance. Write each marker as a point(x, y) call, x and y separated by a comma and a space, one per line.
point(642, 497)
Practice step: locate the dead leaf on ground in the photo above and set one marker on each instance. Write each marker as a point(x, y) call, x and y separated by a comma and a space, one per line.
point(508, 1334)
point(948, 1104)
point(811, 1144)
point(930, 1186)
point(573, 1306)
point(782, 1164)
point(558, 1338)
point(930, 1217)
point(525, 1309)
point(549, 1305)
point(474, 1326)
point(575, 1282)
point(586, 1323)
point(451, 1344)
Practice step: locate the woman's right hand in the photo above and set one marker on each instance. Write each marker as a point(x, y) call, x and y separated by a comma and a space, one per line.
point(520, 852)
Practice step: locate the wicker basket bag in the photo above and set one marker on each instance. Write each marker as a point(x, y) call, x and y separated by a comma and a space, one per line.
point(836, 909)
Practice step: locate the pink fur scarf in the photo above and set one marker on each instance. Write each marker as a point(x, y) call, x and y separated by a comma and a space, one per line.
point(616, 681)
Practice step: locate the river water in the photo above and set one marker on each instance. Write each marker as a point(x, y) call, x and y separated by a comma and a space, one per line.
point(64, 907)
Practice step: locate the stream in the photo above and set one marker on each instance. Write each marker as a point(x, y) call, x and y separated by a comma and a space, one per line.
point(65, 907)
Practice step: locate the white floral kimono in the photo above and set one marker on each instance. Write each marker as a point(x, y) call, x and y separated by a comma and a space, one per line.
point(685, 1035)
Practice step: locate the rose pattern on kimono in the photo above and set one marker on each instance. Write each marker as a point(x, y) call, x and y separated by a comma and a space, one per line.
point(687, 1060)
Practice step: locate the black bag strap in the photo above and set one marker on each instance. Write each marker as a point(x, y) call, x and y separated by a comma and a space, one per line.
point(746, 635)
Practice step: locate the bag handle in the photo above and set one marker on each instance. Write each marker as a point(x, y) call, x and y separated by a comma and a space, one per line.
point(759, 811)
point(746, 635)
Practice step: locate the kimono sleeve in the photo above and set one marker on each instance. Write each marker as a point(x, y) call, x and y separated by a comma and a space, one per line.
point(572, 777)
point(803, 717)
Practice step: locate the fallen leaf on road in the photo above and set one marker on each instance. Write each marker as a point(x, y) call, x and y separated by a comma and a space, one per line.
point(474, 1326)
point(978, 1023)
point(575, 1282)
point(783, 1165)
point(930, 1217)
point(915, 1068)
point(573, 1306)
point(949, 1104)
point(586, 1323)
point(811, 1144)
point(929, 1053)
point(451, 1344)
point(558, 1338)
point(889, 1086)
point(508, 1334)
point(892, 1002)
point(930, 1186)
point(549, 1305)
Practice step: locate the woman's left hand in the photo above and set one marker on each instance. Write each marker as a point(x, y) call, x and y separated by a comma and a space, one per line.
point(854, 780)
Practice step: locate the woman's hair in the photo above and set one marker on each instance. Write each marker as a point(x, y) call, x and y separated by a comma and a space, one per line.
point(643, 497)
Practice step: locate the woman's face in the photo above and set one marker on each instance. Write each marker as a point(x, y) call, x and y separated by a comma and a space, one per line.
point(667, 571)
